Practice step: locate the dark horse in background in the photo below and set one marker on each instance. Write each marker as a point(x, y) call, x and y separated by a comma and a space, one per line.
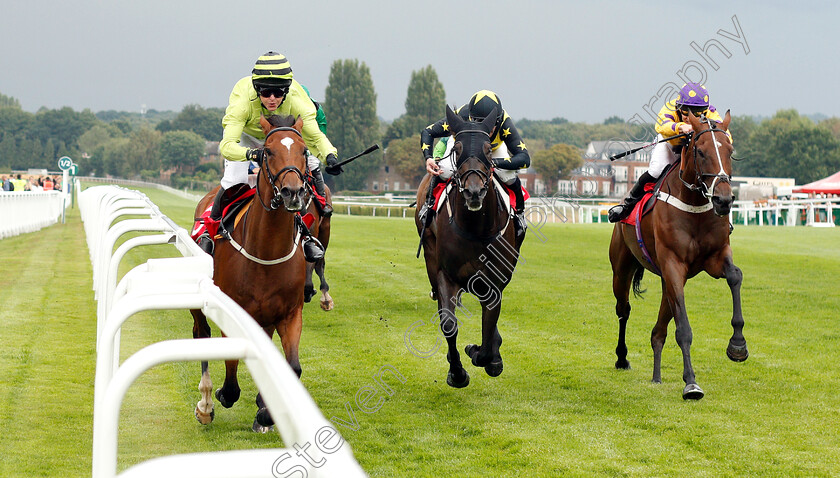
point(469, 247)
point(320, 229)
point(268, 284)
point(685, 234)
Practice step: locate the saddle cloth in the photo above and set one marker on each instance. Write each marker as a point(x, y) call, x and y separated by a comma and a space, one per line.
point(506, 194)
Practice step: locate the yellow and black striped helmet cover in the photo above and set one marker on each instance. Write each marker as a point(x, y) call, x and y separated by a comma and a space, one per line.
point(272, 65)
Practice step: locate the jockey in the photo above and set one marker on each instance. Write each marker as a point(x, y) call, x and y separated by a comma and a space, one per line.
point(504, 139)
point(693, 99)
point(269, 90)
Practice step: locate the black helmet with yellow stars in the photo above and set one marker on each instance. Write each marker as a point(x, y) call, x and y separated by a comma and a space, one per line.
point(481, 105)
point(272, 71)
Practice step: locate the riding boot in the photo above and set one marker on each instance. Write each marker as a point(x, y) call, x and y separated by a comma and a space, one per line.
point(519, 211)
point(621, 211)
point(427, 211)
point(313, 250)
point(326, 210)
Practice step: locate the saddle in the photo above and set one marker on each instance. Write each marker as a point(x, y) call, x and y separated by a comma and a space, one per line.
point(233, 214)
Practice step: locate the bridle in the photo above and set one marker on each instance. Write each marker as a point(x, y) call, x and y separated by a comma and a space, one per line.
point(485, 177)
point(272, 178)
point(699, 184)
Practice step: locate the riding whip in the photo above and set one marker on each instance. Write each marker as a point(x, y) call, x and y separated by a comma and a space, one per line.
point(626, 153)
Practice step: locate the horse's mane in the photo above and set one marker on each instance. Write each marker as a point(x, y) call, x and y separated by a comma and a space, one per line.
point(281, 120)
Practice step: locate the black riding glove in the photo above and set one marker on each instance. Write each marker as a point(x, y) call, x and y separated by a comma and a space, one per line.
point(332, 165)
point(255, 155)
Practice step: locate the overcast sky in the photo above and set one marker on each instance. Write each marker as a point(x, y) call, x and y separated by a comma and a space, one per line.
point(583, 60)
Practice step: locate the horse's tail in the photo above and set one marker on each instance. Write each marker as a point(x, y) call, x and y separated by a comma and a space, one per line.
point(637, 282)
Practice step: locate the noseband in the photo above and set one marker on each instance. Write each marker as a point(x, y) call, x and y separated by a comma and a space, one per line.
point(699, 184)
point(485, 177)
point(277, 199)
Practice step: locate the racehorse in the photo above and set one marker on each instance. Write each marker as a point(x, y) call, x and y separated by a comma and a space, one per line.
point(686, 232)
point(262, 267)
point(470, 246)
point(321, 229)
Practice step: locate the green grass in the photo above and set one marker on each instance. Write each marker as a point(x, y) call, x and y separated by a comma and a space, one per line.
point(559, 408)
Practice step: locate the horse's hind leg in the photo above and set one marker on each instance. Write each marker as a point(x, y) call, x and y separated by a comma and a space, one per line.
point(309, 287)
point(487, 355)
point(326, 299)
point(737, 349)
point(204, 412)
point(624, 266)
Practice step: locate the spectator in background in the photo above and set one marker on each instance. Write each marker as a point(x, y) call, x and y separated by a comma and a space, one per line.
point(35, 184)
point(48, 184)
point(6, 183)
point(20, 184)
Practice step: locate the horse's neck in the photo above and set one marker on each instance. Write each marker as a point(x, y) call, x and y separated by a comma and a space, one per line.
point(676, 187)
point(268, 233)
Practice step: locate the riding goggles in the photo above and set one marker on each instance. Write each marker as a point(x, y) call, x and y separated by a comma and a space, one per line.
point(274, 91)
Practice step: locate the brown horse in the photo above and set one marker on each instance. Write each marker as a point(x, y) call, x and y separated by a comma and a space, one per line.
point(683, 235)
point(470, 247)
point(262, 267)
point(320, 229)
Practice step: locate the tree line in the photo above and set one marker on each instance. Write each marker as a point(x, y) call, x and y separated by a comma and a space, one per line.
point(132, 145)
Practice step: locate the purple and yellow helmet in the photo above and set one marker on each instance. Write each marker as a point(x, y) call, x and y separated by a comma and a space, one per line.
point(693, 95)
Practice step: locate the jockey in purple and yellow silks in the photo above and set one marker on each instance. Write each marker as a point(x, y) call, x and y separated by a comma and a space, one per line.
point(693, 99)
point(508, 151)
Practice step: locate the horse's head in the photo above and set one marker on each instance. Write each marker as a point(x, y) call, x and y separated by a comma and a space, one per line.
point(284, 163)
point(473, 167)
point(709, 156)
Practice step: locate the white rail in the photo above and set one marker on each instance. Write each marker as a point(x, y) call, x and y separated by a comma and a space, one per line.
point(185, 283)
point(29, 211)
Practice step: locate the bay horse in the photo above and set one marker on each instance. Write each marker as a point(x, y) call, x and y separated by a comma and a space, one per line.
point(469, 247)
point(320, 229)
point(686, 232)
point(265, 274)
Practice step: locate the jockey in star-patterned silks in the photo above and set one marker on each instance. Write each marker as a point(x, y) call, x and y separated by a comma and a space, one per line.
point(693, 99)
point(508, 151)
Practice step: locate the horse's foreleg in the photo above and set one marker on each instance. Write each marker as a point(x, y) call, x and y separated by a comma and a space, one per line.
point(659, 334)
point(289, 331)
point(457, 376)
point(487, 355)
point(204, 412)
point(623, 266)
point(229, 392)
point(326, 299)
point(674, 276)
point(737, 349)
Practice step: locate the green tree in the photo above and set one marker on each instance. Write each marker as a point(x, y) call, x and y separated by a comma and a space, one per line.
point(350, 104)
point(425, 103)
point(206, 123)
point(9, 102)
point(96, 136)
point(556, 162)
point(181, 149)
point(8, 150)
point(142, 152)
point(115, 158)
point(405, 157)
point(63, 125)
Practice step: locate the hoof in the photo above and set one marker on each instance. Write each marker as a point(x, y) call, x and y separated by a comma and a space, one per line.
point(264, 418)
point(495, 368)
point(622, 364)
point(308, 294)
point(472, 352)
point(737, 353)
point(327, 306)
point(692, 391)
point(450, 380)
point(256, 427)
point(204, 418)
point(223, 400)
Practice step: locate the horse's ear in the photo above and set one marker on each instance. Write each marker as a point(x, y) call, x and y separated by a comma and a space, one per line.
point(266, 126)
point(454, 119)
point(490, 121)
point(726, 119)
point(298, 124)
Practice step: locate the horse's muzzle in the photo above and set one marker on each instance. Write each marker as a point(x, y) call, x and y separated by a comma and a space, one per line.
point(722, 204)
point(293, 199)
point(474, 198)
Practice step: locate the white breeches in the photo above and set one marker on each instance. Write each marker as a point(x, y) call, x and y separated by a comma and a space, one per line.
point(661, 156)
point(447, 164)
point(236, 172)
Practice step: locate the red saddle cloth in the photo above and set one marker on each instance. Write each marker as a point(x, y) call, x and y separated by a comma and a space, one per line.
point(438, 191)
point(631, 219)
point(200, 228)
